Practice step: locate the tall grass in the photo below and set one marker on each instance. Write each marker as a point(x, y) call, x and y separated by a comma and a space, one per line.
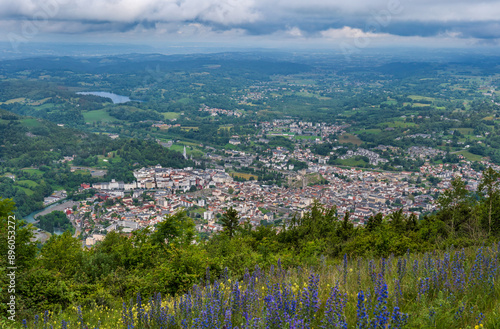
point(442, 289)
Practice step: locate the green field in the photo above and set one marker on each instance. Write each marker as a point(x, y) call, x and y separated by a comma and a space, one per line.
point(419, 98)
point(307, 94)
point(350, 138)
point(36, 172)
point(351, 162)
point(28, 191)
point(470, 156)
point(98, 115)
point(190, 128)
point(369, 131)
point(243, 175)
point(14, 100)
point(184, 100)
point(31, 123)
point(398, 124)
point(416, 104)
point(307, 137)
point(31, 184)
point(46, 106)
point(170, 115)
point(189, 151)
point(465, 131)
point(189, 143)
point(199, 211)
point(227, 127)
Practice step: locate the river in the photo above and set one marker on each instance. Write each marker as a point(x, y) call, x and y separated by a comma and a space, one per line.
point(117, 99)
point(61, 205)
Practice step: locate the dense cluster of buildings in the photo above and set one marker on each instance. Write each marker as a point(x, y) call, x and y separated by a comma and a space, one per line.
point(290, 128)
point(373, 158)
point(206, 194)
point(216, 111)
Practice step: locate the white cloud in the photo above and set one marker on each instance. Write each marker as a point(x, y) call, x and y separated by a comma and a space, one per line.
point(294, 32)
point(223, 12)
point(349, 32)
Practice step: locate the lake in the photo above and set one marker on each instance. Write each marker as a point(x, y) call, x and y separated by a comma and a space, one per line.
point(117, 99)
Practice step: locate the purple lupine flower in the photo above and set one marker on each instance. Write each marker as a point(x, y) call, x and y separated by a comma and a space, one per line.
point(380, 312)
point(334, 310)
point(398, 319)
point(362, 316)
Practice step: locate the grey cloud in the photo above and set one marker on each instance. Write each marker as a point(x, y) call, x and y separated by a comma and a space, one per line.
point(424, 18)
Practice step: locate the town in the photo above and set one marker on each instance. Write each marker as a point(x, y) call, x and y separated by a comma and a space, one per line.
point(206, 194)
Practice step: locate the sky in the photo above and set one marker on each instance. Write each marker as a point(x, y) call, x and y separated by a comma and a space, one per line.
point(343, 25)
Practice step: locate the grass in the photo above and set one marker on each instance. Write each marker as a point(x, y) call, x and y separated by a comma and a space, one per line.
point(35, 172)
point(190, 128)
point(243, 175)
point(465, 131)
point(352, 162)
point(198, 210)
point(267, 112)
point(369, 131)
point(308, 82)
point(470, 156)
point(189, 151)
point(307, 137)
point(350, 138)
point(30, 123)
point(98, 115)
point(189, 143)
point(57, 187)
point(419, 98)
point(227, 127)
point(178, 148)
point(101, 163)
point(44, 106)
point(14, 100)
point(416, 104)
point(398, 124)
point(29, 183)
point(184, 100)
point(305, 94)
point(170, 115)
point(28, 191)
point(443, 289)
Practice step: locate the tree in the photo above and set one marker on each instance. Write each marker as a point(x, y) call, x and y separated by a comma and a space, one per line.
point(397, 219)
point(25, 249)
point(453, 198)
point(62, 253)
point(230, 221)
point(346, 228)
point(489, 187)
point(374, 222)
point(174, 229)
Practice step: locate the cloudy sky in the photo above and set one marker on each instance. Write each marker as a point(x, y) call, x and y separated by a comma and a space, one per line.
point(266, 23)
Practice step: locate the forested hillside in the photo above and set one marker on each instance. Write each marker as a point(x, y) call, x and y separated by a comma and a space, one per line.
point(33, 164)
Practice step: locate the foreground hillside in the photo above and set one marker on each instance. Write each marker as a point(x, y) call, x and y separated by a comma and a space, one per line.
point(448, 289)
